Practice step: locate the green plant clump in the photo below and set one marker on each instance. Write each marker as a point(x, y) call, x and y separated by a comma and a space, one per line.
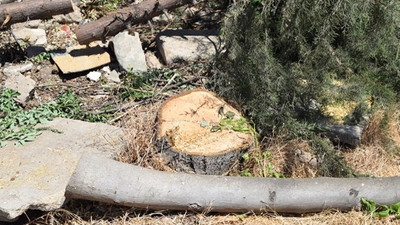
point(141, 85)
point(17, 124)
point(281, 57)
point(380, 210)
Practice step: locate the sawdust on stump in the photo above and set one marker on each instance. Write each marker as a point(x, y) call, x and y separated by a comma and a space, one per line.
point(192, 138)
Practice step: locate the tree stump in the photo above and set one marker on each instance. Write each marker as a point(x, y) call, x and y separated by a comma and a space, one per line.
point(199, 132)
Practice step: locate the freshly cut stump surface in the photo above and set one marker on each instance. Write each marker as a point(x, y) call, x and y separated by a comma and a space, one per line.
point(189, 137)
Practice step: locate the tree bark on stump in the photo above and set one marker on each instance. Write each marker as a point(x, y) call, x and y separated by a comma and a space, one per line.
point(115, 22)
point(30, 10)
point(105, 180)
point(186, 137)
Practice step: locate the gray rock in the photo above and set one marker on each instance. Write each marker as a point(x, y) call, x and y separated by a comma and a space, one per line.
point(16, 69)
point(346, 134)
point(114, 76)
point(22, 84)
point(152, 61)
point(306, 157)
point(187, 45)
point(32, 23)
point(73, 17)
point(35, 176)
point(129, 52)
point(35, 37)
point(28, 24)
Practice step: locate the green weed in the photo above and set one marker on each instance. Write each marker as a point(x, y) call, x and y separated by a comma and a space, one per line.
point(380, 210)
point(44, 56)
point(142, 85)
point(19, 125)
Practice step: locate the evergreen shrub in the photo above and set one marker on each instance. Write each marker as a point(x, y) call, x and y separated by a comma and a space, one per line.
point(283, 57)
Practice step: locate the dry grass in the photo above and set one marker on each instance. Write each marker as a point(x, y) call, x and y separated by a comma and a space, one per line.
point(374, 161)
point(379, 155)
point(141, 136)
point(87, 213)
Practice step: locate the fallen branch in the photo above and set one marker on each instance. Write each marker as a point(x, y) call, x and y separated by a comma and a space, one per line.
point(105, 180)
point(115, 22)
point(31, 10)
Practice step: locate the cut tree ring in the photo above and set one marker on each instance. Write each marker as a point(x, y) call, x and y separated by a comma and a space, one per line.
point(189, 145)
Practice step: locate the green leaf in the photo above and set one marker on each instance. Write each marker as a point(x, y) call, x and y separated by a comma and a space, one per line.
point(246, 173)
point(229, 114)
point(384, 213)
point(369, 205)
point(395, 208)
point(246, 157)
point(215, 128)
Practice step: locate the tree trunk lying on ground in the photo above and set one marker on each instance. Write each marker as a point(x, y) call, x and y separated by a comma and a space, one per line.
point(196, 133)
point(115, 22)
point(105, 180)
point(31, 10)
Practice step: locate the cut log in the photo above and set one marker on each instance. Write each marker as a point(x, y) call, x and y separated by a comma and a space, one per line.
point(31, 10)
point(196, 133)
point(115, 22)
point(105, 180)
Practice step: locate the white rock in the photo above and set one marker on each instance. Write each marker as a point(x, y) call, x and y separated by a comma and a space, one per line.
point(33, 36)
point(35, 176)
point(187, 45)
point(16, 69)
point(152, 61)
point(106, 69)
point(129, 53)
point(22, 84)
point(93, 76)
point(114, 76)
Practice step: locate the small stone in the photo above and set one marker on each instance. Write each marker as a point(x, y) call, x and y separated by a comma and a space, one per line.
point(106, 69)
point(306, 157)
point(32, 23)
point(113, 76)
point(33, 36)
point(22, 84)
point(94, 76)
point(27, 24)
point(152, 61)
point(163, 19)
point(187, 45)
point(129, 53)
point(73, 17)
point(17, 69)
